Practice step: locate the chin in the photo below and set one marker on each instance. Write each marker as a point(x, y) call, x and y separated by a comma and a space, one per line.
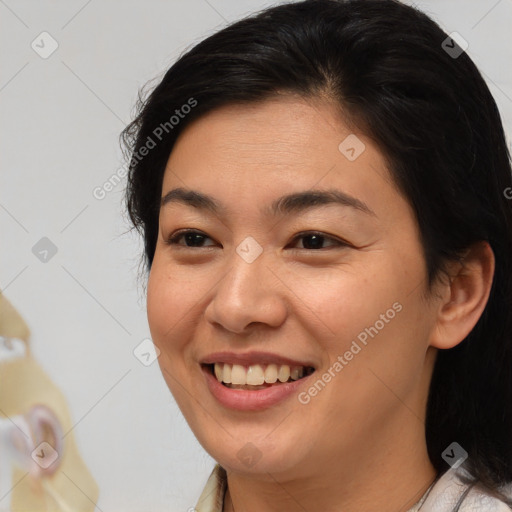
point(257, 457)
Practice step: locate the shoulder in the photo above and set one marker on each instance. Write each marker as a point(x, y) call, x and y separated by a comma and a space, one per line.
point(478, 500)
point(451, 494)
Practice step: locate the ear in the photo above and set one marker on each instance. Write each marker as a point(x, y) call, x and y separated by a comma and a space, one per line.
point(464, 296)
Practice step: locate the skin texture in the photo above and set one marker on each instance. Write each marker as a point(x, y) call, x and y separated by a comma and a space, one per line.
point(362, 437)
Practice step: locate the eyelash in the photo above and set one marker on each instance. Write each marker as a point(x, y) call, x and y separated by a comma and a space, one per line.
point(175, 237)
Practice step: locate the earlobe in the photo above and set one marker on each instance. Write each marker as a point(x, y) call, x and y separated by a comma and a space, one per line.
point(464, 296)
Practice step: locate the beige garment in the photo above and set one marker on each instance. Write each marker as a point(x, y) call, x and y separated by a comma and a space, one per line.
point(212, 497)
point(23, 385)
point(442, 497)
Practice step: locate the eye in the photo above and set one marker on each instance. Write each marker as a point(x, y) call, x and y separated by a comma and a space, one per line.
point(310, 240)
point(314, 240)
point(192, 238)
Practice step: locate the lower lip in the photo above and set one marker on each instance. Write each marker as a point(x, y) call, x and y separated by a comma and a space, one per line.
point(247, 400)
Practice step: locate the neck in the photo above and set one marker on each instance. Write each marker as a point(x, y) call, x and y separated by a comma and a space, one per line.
point(400, 475)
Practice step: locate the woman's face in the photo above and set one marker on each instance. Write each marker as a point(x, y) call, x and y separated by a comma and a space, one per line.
point(336, 285)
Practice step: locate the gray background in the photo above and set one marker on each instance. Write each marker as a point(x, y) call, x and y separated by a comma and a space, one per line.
point(60, 121)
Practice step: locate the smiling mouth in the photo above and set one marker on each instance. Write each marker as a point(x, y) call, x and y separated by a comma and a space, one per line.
point(258, 376)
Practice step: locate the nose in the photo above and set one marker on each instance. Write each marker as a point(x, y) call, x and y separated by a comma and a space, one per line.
point(249, 293)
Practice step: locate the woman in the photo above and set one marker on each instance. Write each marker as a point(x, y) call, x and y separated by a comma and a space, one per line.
point(321, 192)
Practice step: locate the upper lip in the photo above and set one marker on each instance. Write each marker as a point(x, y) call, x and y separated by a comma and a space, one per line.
point(250, 358)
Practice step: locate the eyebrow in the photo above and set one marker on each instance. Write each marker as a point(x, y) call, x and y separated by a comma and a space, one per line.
point(287, 204)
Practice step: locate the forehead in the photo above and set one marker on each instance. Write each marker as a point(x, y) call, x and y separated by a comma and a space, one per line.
point(278, 129)
point(282, 144)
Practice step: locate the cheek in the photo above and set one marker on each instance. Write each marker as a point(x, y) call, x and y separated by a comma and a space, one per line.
point(371, 307)
point(174, 298)
point(157, 304)
point(164, 311)
point(165, 306)
point(342, 302)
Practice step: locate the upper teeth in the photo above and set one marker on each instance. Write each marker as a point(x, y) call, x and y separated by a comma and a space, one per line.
point(256, 374)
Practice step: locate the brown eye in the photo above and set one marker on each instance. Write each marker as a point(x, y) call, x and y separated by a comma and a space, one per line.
point(192, 238)
point(314, 241)
point(310, 240)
